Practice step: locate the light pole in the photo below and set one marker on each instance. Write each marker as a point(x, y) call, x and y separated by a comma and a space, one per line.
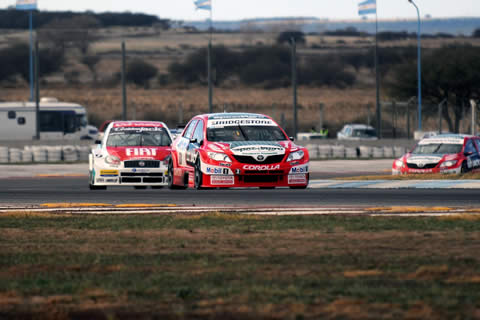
point(419, 68)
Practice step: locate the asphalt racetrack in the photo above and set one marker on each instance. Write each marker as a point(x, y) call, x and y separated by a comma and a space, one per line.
point(33, 185)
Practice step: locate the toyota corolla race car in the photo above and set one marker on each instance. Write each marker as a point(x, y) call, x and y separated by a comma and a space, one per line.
point(446, 153)
point(132, 153)
point(236, 150)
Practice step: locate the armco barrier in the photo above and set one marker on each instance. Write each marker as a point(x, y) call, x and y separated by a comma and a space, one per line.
point(44, 154)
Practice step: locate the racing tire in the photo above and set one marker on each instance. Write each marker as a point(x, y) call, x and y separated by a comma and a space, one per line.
point(172, 186)
point(93, 187)
point(299, 187)
point(464, 167)
point(198, 176)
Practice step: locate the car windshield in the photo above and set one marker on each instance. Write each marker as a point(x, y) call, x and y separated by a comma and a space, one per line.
point(437, 148)
point(245, 133)
point(364, 133)
point(130, 137)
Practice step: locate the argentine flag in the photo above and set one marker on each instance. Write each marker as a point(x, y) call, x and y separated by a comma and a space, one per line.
point(204, 4)
point(26, 5)
point(367, 7)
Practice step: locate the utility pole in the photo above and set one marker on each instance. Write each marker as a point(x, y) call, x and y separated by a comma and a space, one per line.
point(37, 91)
point(124, 85)
point(294, 86)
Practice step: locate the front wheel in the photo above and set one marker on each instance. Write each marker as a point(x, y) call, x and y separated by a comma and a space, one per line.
point(464, 167)
point(198, 176)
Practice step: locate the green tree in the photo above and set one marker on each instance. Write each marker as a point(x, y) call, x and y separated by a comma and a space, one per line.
point(451, 72)
point(286, 37)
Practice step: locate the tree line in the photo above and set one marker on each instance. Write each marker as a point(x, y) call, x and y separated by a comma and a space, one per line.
point(17, 19)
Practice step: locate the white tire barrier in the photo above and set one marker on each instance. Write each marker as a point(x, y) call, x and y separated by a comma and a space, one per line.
point(365, 152)
point(324, 151)
point(377, 152)
point(338, 152)
point(70, 154)
point(398, 152)
point(27, 156)
point(313, 151)
point(4, 155)
point(388, 152)
point(54, 154)
point(15, 155)
point(39, 154)
point(351, 153)
point(83, 152)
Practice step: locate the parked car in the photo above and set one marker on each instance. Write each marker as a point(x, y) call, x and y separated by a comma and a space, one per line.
point(237, 150)
point(357, 132)
point(444, 153)
point(132, 153)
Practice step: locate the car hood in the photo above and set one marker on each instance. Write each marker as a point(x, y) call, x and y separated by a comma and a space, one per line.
point(243, 148)
point(139, 153)
point(424, 158)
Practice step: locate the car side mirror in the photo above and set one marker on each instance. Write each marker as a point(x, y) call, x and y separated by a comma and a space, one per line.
point(467, 153)
point(193, 141)
point(98, 141)
point(291, 138)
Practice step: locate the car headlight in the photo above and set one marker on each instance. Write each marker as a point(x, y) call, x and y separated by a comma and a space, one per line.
point(113, 160)
point(297, 155)
point(221, 157)
point(449, 163)
point(399, 163)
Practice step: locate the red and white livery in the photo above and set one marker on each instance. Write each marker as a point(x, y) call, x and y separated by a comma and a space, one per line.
point(445, 153)
point(236, 150)
point(131, 153)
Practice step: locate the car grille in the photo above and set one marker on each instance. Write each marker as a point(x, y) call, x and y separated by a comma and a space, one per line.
point(141, 174)
point(252, 160)
point(427, 166)
point(136, 164)
point(263, 172)
point(261, 178)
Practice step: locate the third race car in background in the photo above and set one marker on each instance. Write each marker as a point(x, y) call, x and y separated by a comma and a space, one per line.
point(237, 150)
point(445, 153)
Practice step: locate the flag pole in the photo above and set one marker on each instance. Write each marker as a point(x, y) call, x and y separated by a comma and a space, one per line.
point(209, 63)
point(377, 78)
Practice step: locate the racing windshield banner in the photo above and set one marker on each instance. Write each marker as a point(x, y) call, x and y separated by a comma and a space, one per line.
point(221, 123)
point(137, 129)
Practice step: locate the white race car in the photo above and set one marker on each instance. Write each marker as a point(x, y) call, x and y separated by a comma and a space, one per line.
point(132, 153)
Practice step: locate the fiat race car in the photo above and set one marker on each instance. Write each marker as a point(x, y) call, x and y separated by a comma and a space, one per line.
point(132, 153)
point(236, 150)
point(446, 153)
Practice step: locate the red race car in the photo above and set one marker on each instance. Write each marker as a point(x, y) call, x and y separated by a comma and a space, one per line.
point(446, 153)
point(132, 153)
point(236, 150)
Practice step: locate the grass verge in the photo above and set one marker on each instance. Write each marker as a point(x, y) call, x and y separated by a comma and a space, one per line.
point(229, 266)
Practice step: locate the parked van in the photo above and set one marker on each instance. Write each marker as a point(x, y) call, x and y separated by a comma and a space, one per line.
point(58, 120)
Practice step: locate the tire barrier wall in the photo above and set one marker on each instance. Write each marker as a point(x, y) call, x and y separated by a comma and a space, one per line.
point(44, 154)
point(318, 151)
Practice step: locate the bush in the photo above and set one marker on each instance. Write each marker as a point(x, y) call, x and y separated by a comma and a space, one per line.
point(325, 71)
point(140, 72)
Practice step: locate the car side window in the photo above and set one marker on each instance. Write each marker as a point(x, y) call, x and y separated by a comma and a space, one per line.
point(188, 132)
point(198, 134)
point(470, 148)
point(348, 131)
point(477, 143)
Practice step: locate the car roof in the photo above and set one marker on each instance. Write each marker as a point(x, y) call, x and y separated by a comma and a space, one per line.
point(138, 124)
point(446, 138)
point(359, 126)
point(230, 115)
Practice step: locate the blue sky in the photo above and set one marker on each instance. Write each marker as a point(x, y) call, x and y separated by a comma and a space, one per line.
point(244, 9)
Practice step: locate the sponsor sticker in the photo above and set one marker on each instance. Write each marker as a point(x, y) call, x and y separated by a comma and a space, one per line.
point(420, 170)
point(141, 152)
point(220, 123)
point(297, 179)
point(299, 169)
point(265, 167)
point(108, 173)
point(111, 180)
point(258, 150)
point(222, 180)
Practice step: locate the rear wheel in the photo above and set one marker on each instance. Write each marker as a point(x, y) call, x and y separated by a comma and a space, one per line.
point(198, 176)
